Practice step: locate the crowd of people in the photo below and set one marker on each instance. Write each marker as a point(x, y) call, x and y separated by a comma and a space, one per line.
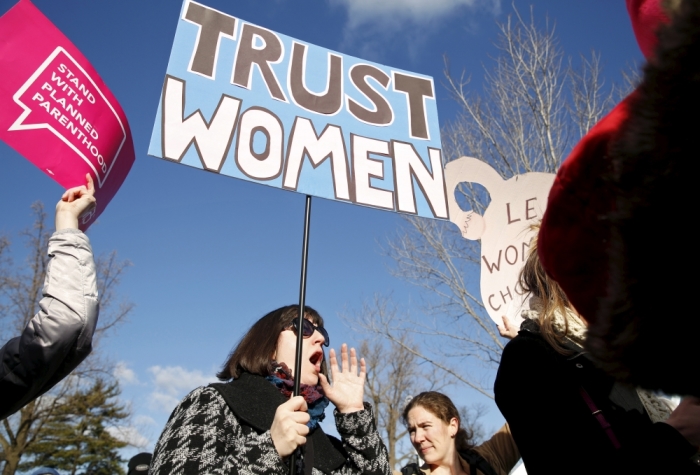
point(574, 399)
point(564, 414)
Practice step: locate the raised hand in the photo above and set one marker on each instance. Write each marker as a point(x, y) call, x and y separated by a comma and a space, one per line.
point(348, 389)
point(74, 202)
point(289, 429)
point(507, 330)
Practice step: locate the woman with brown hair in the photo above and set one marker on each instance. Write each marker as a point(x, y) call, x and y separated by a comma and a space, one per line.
point(251, 424)
point(434, 426)
point(567, 415)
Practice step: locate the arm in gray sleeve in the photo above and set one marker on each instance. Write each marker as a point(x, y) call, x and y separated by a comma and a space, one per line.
point(367, 454)
point(59, 337)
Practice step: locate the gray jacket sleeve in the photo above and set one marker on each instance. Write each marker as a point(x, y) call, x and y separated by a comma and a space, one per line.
point(59, 337)
point(366, 451)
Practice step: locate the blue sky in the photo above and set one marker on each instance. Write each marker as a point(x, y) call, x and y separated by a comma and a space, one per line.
point(211, 254)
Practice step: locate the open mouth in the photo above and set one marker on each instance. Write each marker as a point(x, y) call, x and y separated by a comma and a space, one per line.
point(315, 359)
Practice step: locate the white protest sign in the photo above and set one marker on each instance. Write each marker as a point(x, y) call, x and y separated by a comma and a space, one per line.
point(247, 102)
point(504, 229)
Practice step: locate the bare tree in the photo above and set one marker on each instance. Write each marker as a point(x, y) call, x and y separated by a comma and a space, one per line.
point(535, 105)
point(20, 293)
point(391, 380)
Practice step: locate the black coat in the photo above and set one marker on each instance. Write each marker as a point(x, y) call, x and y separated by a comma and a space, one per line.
point(224, 429)
point(538, 392)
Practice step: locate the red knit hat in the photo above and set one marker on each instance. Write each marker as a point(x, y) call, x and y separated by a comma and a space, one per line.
point(574, 233)
point(646, 16)
point(617, 234)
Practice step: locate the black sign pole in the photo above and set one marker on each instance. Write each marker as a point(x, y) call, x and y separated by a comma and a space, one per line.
point(300, 326)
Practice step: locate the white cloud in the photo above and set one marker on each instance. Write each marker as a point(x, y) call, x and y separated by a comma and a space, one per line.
point(124, 374)
point(139, 432)
point(377, 28)
point(143, 421)
point(163, 402)
point(417, 11)
point(172, 383)
point(175, 379)
point(131, 435)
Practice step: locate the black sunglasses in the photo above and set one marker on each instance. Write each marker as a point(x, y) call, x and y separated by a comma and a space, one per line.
point(309, 329)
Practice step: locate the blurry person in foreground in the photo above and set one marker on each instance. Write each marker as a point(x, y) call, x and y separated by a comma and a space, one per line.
point(569, 416)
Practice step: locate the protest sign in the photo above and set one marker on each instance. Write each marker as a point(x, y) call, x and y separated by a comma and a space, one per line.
point(56, 111)
point(504, 229)
point(250, 103)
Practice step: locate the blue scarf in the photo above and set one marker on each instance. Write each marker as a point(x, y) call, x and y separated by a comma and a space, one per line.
point(316, 401)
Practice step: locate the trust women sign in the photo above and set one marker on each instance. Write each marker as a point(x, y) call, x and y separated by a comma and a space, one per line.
point(56, 111)
point(250, 103)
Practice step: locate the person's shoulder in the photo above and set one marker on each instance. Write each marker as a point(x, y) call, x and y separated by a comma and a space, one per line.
point(525, 357)
point(202, 396)
point(526, 341)
point(529, 348)
point(411, 469)
point(205, 403)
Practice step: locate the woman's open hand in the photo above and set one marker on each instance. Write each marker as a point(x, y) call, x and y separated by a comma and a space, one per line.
point(289, 429)
point(348, 389)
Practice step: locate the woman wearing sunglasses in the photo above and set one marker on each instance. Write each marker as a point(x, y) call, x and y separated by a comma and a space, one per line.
point(251, 424)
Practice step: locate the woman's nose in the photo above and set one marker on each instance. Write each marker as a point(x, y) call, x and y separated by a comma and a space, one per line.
point(317, 337)
point(418, 436)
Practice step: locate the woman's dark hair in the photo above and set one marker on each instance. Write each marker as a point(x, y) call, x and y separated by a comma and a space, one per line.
point(253, 353)
point(444, 409)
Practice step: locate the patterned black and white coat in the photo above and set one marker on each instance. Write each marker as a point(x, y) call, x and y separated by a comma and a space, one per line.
point(224, 429)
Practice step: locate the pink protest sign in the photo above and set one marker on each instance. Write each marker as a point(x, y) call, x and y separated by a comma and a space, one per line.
point(56, 111)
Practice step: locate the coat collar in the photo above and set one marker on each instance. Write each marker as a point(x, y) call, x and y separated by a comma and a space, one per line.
point(254, 401)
